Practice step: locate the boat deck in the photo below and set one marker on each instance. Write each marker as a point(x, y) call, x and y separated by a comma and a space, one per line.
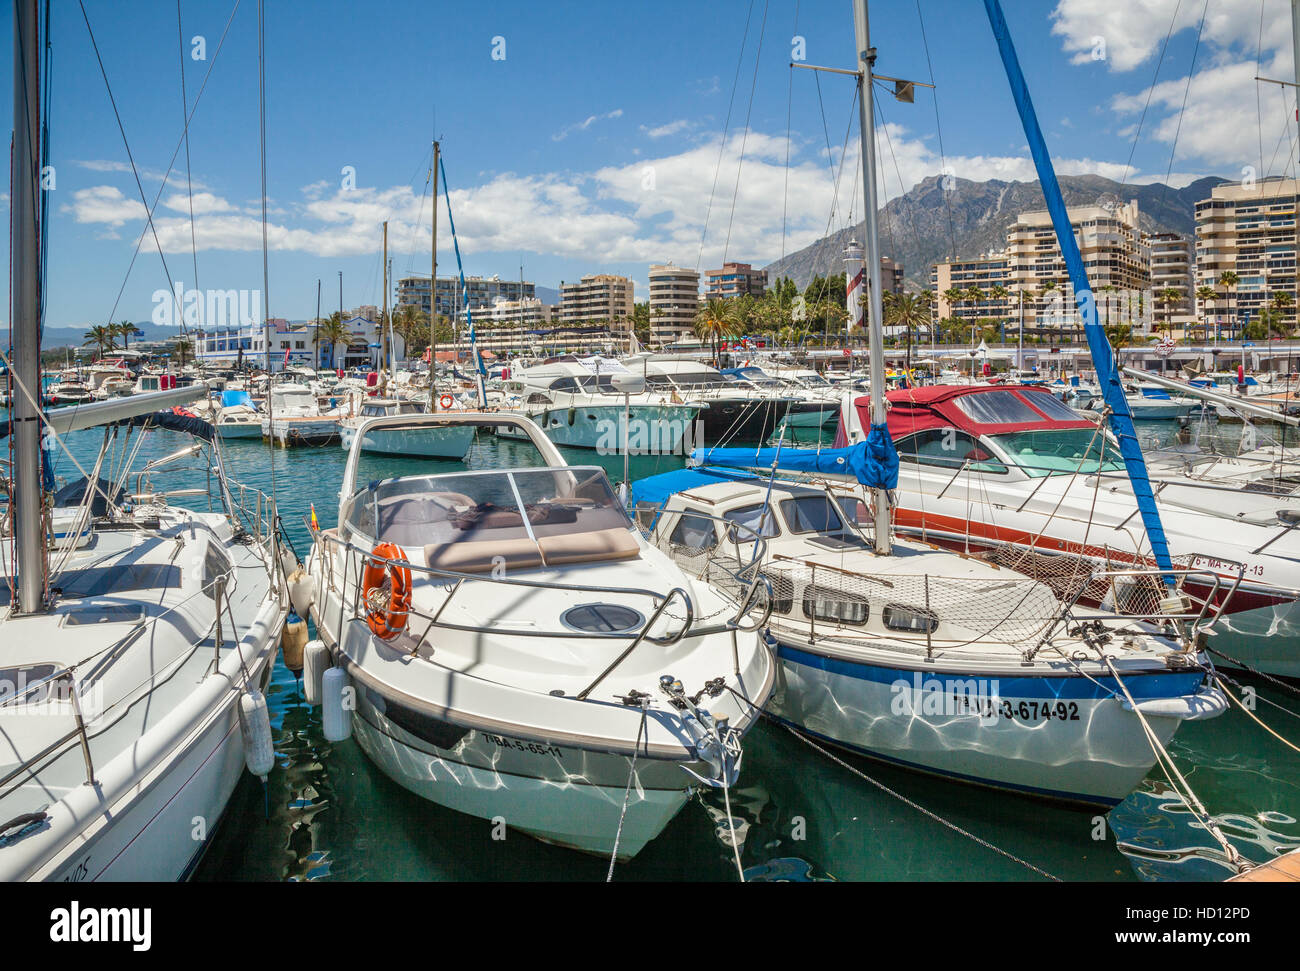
point(1281, 869)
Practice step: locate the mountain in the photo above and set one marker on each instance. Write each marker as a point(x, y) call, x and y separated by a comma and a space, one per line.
point(914, 227)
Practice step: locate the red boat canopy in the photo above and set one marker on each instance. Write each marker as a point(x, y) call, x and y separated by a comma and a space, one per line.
point(991, 410)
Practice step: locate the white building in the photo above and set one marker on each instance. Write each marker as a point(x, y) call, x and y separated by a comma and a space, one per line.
point(292, 344)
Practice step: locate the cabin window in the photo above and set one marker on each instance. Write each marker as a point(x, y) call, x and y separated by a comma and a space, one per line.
point(28, 684)
point(812, 514)
point(215, 564)
point(753, 522)
point(1051, 406)
point(949, 449)
point(103, 614)
point(913, 619)
point(996, 408)
point(694, 532)
point(835, 606)
point(1055, 451)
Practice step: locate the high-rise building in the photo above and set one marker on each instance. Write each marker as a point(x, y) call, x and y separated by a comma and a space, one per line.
point(674, 302)
point(599, 297)
point(1250, 231)
point(735, 280)
point(1171, 271)
point(480, 292)
point(985, 275)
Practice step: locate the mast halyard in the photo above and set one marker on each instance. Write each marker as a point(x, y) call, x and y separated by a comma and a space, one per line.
point(25, 409)
point(866, 108)
point(433, 290)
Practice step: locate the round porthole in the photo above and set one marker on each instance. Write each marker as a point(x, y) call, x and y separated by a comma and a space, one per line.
point(602, 619)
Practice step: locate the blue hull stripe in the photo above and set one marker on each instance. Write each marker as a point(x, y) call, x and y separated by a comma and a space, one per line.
point(1075, 687)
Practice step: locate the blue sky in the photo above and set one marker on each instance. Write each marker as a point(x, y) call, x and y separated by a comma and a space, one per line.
point(596, 143)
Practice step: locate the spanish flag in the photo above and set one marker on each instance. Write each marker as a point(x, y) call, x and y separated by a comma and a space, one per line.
point(315, 525)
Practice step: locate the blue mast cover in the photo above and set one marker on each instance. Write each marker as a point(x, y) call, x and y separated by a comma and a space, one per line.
point(1121, 419)
point(873, 462)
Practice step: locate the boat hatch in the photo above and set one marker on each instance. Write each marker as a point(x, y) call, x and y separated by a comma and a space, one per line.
point(103, 614)
point(601, 618)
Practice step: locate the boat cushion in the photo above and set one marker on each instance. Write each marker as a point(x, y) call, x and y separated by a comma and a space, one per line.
point(481, 556)
point(593, 546)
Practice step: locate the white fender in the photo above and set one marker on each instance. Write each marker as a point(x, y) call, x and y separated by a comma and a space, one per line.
point(293, 638)
point(336, 717)
point(315, 660)
point(255, 725)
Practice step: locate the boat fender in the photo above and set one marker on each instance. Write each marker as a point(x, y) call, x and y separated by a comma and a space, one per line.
point(255, 726)
point(315, 660)
point(302, 591)
point(292, 641)
point(336, 709)
point(572, 415)
point(288, 561)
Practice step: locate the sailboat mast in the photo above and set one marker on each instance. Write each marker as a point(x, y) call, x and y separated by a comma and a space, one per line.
point(433, 287)
point(24, 319)
point(383, 323)
point(866, 108)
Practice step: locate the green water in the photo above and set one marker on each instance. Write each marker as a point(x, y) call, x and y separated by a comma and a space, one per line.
point(327, 813)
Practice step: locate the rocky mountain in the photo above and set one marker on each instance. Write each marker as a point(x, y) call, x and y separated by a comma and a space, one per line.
point(916, 229)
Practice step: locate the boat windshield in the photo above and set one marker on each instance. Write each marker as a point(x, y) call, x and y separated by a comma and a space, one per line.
point(1056, 451)
point(687, 380)
point(505, 509)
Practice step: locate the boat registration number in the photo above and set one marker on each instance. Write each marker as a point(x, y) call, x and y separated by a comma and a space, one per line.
point(519, 745)
point(1066, 711)
point(1222, 566)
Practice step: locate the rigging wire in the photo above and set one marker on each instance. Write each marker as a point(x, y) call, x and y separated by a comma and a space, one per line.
point(789, 108)
point(744, 138)
point(135, 172)
point(189, 180)
point(1137, 135)
point(1191, 72)
point(943, 161)
point(175, 153)
point(726, 127)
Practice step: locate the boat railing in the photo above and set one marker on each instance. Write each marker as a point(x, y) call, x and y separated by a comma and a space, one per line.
point(342, 564)
point(72, 684)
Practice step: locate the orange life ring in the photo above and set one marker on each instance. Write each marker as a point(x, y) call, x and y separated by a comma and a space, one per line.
point(446, 401)
point(386, 619)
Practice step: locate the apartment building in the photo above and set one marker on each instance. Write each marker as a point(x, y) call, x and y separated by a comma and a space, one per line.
point(987, 274)
point(597, 297)
point(674, 302)
point(735, 280)
point(1250, 231)
point(1172, 265)
point(481, 292)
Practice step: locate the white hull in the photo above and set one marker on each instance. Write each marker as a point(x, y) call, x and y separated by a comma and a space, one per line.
point(239, 430)
point(1059, 737)
point(452, 443)
point(651, 429)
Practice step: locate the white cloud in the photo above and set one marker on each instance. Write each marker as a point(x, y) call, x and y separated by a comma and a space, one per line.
point(1135, 31)
point(568, 130)
point(203, 203)
point(671, 128)
point(104, 204)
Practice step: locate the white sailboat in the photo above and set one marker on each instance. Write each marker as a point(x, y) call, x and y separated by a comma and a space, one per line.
point(136, 635)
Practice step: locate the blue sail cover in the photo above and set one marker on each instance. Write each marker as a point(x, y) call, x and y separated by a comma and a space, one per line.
point(874, 462)
point(1121, 419)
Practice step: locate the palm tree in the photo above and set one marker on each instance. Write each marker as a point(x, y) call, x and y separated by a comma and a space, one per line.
point(1207, 295)
point(181, 349)
point(715, 321)
point(1167, 298)
point(334, 332)
point(126, 330)
point(954, 296)
point(1045, 289)
point(102, 336)
point(1229, 280)
point(908, 310)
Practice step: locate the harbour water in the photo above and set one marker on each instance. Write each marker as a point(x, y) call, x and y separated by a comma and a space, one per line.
point(326, 813)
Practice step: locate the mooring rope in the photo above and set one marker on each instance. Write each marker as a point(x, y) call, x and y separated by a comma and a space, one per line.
point(627, 792)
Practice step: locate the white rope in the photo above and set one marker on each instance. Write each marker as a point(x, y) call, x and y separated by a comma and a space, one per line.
point(627, 792)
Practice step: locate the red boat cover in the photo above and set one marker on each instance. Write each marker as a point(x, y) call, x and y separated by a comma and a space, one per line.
point(936, 406)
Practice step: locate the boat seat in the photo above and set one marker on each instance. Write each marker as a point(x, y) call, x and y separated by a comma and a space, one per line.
point(479, 556)
point(593, 546)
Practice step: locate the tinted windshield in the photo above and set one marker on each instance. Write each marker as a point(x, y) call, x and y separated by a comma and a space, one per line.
point(494, 507)
point(1056, 451)
point(997, 408)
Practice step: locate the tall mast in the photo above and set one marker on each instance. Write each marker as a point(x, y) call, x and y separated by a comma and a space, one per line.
point(866, 109)
point(24, 319)
point(383, 334)
point(433, 287)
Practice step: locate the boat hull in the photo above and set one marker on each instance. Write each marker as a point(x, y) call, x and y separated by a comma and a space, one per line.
point(651, 429)
point(560, 794)
point(1062, 738)
point(451, 443)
